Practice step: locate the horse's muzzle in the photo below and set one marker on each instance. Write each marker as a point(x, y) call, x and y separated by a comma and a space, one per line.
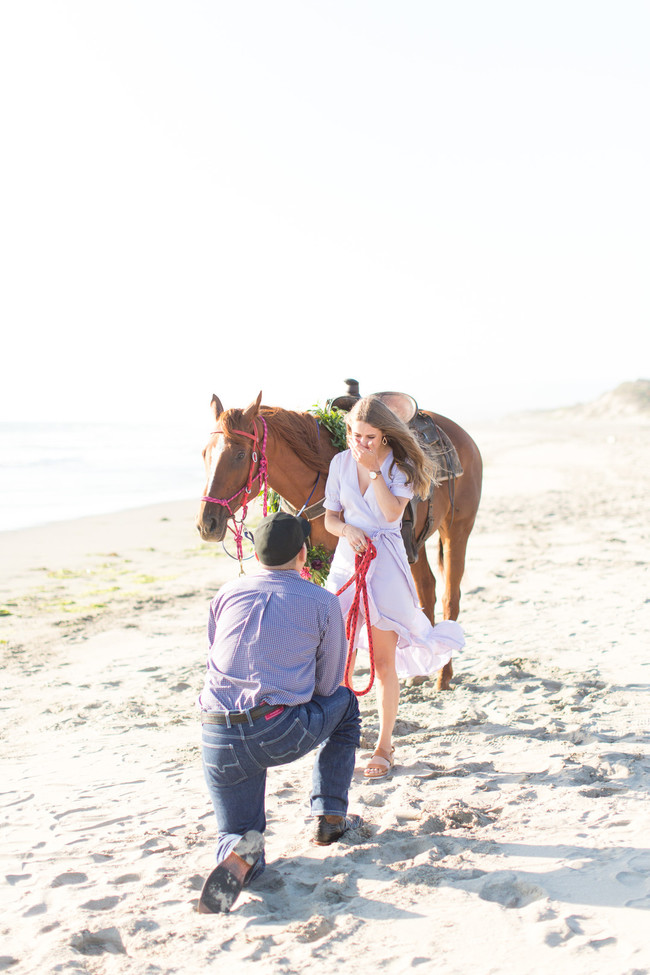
point(211, 522)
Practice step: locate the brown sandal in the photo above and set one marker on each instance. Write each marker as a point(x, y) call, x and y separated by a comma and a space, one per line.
point(380, 765)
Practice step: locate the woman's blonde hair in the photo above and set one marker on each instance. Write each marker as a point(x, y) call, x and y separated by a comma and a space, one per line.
point(407, 452)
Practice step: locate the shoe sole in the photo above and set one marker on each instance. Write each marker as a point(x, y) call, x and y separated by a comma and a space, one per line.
point(222, 887)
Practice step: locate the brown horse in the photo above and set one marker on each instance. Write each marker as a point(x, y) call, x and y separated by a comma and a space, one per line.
point(297, 453)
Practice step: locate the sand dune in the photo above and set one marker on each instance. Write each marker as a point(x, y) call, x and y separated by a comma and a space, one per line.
point(512, 836)
point(630, 401)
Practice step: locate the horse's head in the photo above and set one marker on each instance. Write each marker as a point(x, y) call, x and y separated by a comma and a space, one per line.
point(230, 467)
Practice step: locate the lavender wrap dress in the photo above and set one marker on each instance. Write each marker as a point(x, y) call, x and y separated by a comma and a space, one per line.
point(392, 600)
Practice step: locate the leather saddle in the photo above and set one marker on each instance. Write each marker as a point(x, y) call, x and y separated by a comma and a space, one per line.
point(433, 440)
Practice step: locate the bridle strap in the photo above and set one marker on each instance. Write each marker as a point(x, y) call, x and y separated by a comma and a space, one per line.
point(262, 474)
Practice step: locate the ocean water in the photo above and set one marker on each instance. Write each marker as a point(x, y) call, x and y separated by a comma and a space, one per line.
point(57, 471)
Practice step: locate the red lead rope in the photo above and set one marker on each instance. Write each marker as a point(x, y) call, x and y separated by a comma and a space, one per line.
point(361, 566)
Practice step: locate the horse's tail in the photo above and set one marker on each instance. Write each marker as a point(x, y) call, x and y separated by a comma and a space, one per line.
point(441, 556)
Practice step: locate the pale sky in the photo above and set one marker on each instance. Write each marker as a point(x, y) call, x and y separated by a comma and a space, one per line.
point(450, 198)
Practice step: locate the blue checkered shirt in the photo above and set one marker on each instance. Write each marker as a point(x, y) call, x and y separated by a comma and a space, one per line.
point(273, 637)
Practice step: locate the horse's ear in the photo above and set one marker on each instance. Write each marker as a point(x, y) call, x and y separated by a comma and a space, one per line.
point(216, 406)
point(252, 411)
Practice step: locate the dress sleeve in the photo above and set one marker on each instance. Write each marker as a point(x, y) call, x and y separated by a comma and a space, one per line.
point(398, 485)
point(332, 500)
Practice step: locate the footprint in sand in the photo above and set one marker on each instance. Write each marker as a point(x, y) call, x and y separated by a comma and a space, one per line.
point(597, 943)
point(102, 904)
point(637, 877)
point(161, 882)
point(126, 878)
point(640, 903)
point(36, 910)
point(272, 881)
point(143, 924)
point(572, 926)
point(602, 793)
point(313, 929)
point(374, 799)
point(108, 940)
point(403, 727)
point(69, 878)
point(304, 888)
point(461, 816)
point(156, 845)
point(630, 879)
point(511, 892)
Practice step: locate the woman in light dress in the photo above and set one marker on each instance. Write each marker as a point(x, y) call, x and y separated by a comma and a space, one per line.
point(368, 488)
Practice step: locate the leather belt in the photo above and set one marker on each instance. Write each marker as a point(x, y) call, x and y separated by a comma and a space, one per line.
point(239, 717)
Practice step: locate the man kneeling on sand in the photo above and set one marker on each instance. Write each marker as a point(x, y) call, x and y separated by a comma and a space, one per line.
point(272, 693)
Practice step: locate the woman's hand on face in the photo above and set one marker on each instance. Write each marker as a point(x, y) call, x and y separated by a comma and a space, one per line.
point(364, 456)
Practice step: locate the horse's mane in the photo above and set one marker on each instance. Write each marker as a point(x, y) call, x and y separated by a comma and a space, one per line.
point(300, 431)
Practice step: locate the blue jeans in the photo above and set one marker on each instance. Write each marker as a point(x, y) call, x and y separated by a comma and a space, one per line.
point(235, 761)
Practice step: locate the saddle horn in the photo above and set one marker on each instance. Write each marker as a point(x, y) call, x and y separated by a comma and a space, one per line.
point(347, 400)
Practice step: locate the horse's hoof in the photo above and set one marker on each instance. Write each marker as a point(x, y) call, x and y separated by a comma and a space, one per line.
point(416, 681)
point(444, 677)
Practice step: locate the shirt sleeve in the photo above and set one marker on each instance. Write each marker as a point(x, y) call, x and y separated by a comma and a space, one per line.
point(332, 652)
point(212, 620)
point(398, 485)
point(332, 500)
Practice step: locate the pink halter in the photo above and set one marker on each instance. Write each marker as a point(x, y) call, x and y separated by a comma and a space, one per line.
point(262, 474)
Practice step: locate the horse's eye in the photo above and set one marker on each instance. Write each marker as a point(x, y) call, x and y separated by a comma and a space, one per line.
point(240, 455)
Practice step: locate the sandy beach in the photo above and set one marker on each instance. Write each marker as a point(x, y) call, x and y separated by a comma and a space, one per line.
point(513, 834)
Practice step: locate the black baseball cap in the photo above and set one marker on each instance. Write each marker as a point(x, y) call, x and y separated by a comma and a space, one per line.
point(279, 538)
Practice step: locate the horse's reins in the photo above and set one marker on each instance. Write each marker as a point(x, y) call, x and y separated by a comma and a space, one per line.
point(361, 566)
point(362, 562)
point(262, 474)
